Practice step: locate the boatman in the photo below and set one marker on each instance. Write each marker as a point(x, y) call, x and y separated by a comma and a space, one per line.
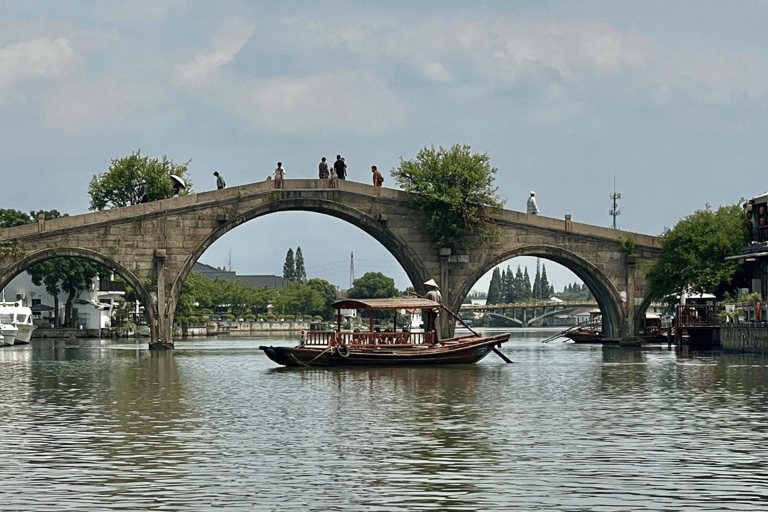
point(433, 294)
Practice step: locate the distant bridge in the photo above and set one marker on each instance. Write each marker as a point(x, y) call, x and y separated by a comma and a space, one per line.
point(153, 246)
point(543, 308)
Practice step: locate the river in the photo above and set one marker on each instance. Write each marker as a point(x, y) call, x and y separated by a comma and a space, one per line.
point(104, 425)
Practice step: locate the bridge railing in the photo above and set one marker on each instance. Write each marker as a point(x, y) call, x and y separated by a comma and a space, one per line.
point(312, 338)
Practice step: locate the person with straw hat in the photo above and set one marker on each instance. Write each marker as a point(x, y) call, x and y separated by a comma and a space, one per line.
point(433, 293)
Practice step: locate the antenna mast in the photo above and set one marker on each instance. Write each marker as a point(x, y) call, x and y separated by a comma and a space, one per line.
point(351, 268)
point(615, 211)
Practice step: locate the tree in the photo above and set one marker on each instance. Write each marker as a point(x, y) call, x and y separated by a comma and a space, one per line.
point(289, 267)
point(544, 286)
point(373, 285)
point(494, 288)
point(525, 287)
point(69, 275)
point(454, 189)
point(117, 186)
point(693, 253)
point(10, 218)
point(328, 292)
point(300, 273)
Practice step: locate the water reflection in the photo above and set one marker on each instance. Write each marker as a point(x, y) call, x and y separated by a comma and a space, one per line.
point(214, 424)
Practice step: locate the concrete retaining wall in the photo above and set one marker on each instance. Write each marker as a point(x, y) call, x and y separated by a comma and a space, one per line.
point(747, 337)
point(241, 328)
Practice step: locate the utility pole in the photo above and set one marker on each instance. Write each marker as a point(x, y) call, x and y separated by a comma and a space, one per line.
point(351, 268)
point(615, 211)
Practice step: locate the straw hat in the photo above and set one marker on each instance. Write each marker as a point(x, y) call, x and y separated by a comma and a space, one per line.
point(431, 282)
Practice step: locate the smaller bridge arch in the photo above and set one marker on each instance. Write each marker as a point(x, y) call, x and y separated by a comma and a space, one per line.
point(31, 259)
point(608, 298)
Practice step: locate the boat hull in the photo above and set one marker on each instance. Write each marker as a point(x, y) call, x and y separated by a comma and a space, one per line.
point(455, 351)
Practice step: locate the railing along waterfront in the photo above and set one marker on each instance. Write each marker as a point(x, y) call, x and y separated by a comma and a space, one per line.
point(367, 338)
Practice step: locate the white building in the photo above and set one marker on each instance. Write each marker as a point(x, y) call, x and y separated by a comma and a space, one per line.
point(93, 307)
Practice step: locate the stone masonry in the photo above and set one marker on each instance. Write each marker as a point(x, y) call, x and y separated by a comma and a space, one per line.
point(153, 246)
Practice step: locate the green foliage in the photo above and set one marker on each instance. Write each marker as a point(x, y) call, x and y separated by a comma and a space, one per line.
point(11, 218)
point(68, 275)
point(300, 273)
point(628, 244)
point(373, 285)
point(694, 251)
point(289, 267)
point(494, 288)
point(328, 292)
point(117, 186)
point(454, 188)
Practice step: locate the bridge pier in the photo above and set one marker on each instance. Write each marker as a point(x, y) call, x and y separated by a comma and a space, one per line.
point(162, 328)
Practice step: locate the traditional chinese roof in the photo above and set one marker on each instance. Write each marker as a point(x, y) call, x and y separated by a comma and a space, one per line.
point(386, 304)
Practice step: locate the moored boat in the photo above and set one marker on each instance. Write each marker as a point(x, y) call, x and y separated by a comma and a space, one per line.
point(20, 317)
point(375, 347)
point(8, 333)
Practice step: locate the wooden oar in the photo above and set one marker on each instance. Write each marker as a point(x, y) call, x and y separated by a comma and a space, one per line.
point(457, 317)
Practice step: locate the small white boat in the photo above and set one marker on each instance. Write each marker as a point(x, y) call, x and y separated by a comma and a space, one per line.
point(20, 317)
point(9, 333)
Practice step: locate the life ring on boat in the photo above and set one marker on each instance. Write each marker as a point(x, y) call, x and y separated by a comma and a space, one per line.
point(343, 350)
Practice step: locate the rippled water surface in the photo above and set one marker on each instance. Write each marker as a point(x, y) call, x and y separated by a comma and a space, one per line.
point(100, 425)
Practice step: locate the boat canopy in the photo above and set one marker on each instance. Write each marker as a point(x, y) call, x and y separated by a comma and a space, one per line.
point(386, 304)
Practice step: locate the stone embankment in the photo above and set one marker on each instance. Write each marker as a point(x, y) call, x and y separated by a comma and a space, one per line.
point(749, 337)
point(245, 328)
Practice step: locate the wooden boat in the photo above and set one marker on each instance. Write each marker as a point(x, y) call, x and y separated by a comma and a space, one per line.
point(377, 348)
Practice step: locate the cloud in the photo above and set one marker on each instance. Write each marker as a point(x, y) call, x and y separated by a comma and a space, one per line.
point(35, 59)
point(203, 70)
point(135, 10)
point(344, 102)
point(111, 100)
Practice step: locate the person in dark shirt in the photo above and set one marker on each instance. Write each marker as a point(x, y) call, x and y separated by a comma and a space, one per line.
point(143, 192)
point(340, 168)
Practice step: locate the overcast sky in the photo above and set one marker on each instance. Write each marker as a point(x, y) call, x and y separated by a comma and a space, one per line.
point(667, 97)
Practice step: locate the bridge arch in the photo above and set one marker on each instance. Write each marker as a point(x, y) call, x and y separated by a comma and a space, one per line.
point(608, 298)
point(377, 229)
point(77, 252)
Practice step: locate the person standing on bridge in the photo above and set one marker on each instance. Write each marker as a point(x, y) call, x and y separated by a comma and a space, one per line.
point(323, 170)
point(220, 184)
point(142, 193)
point(279, 173)
point(340, 168)
point(378, 179)
point(533, 209)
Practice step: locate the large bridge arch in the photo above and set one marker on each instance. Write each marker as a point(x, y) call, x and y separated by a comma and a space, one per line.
point(376, 228)
point(33, 258)
point(607, 296)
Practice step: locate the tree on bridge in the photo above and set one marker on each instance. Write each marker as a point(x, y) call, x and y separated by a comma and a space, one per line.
point(693, 253)
point(454, 189)
point(10, 218)
point(117, 186)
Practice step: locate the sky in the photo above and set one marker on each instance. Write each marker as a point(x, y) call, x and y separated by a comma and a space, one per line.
point(668, 99)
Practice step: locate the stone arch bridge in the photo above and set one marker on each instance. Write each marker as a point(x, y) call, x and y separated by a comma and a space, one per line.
point(153, 246)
